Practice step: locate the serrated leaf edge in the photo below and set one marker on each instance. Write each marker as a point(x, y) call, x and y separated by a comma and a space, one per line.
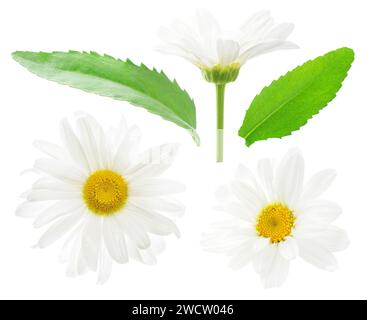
point(248, 144)
point(191, 130)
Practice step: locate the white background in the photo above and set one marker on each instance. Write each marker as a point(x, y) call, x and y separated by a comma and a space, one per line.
point(32, 107)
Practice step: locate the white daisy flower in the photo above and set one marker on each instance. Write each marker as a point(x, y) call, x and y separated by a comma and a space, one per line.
point(220, 54)
point(278, 217)
point(107, 199)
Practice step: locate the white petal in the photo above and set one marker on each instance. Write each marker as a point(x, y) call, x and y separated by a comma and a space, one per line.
point(228, 51)
point(163, 154)
point(271, 266)
point(320, 210)
point(264, 259)
point(104, 266)
point(154, 222)
point(28, 209)
point(227, 242)
point(91, 240)
point(114, 239)
point(134, 229)
point(318, 184)
point(118, 133)
point(60, 170)
point(205, 46)
point(180, 42)
point(60, 228)
point(69, 244)
point(281, 31)
point(102, 142)
point(96, 141)
point(158, 244)
point(177, 35)
point(231, 224)
point(73, 258)
point(154, 187)
point(248, 196)
point(147, 256)
point(160, 204)
point(197, 45)
point(265, 47)
point(153, 162)
point(132, 250)
point(308, 229)
point(72, 263)
point(208, 26)
point(122, 157)
point(55, 185)
point(57, 210)
point(255, 23)
point(237, 210)
point(243, 256)
point(50, 149)
point(266, 175)
point(71, 254)
point(333, 239)
point(316, 255)
point(204, 43)
point(144, 256)
point(73, 145)
point(44, 195)
point(245, 175)
point(289, 177)
point(89, 143)
point(261, 243)
point(178, 51)
point(288, 248)
point(278, 271)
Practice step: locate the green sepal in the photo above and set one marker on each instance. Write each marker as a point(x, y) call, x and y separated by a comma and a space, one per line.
point(221, 75)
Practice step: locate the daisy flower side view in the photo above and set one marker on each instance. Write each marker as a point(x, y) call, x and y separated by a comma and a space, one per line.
point(102, 195)
point(220, 55)
point(277, 217)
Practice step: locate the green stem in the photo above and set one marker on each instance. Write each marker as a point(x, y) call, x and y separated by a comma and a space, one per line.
point(220, 120)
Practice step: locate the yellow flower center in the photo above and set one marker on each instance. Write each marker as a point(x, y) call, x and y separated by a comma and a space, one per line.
point(276, 222)
point(105, 192)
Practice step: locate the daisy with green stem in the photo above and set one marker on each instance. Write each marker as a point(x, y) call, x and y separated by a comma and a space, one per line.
point(220, 56)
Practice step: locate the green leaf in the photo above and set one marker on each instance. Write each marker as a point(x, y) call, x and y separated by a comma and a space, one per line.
point(289, 102)
point(121, 80)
